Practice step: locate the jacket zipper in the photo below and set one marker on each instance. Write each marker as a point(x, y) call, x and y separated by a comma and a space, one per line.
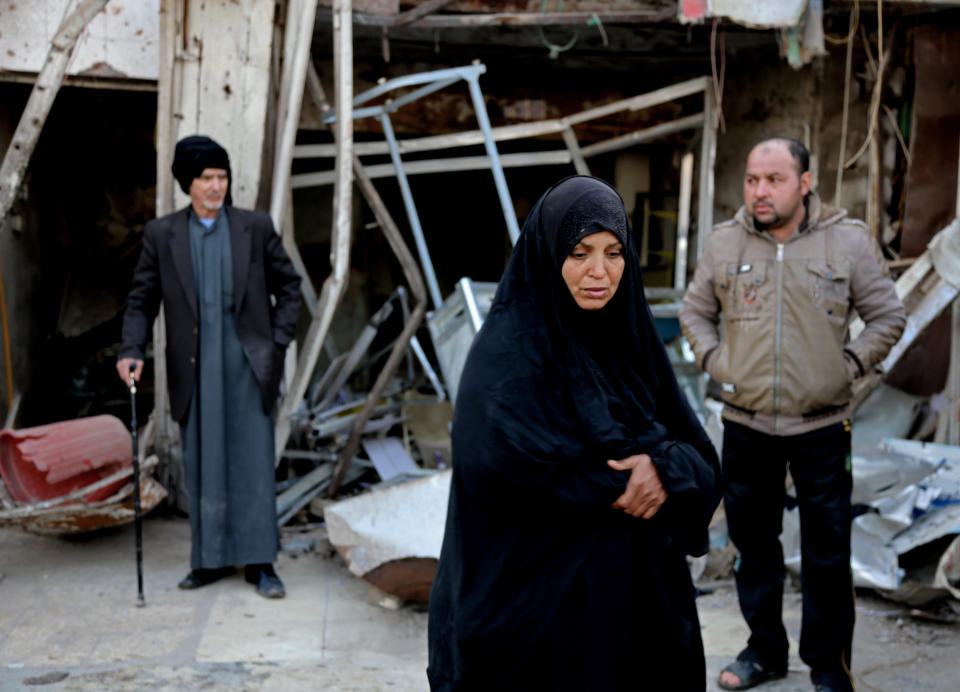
point(776, 353)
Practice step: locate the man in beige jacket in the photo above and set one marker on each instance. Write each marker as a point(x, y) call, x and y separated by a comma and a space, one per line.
point(784, 275)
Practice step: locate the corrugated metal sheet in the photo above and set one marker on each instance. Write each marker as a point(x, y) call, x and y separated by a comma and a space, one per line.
point(49, 461)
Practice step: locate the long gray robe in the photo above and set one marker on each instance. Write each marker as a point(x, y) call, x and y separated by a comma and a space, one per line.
point(227, 438)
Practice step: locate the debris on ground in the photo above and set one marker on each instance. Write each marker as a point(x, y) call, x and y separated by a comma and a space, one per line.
point(392, 537)
point(72, 477)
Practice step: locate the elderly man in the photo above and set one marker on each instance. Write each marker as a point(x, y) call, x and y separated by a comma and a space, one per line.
point(786, 273)
point(215, 268)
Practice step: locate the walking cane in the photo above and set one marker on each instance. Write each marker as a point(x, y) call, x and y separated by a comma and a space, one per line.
point(136, 486)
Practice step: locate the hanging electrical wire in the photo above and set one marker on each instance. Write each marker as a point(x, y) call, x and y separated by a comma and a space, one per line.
point(853, 27)
point(874, 109)
point(896, 130)
point(595, 21)
point(556, 49)
point(718, 81)
point(842, 152)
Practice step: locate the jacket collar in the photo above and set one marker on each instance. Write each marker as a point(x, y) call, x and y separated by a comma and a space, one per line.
point(240, 240)
point(819, 216)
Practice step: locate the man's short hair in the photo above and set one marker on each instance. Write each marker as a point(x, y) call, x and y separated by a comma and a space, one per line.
point(796, 148)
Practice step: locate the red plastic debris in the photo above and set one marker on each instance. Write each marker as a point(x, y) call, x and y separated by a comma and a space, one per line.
point(50, 461)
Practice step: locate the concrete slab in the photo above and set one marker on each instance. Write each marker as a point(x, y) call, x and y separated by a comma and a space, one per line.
point(68, 621)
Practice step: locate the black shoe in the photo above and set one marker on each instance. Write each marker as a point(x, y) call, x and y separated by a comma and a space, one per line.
point(265, 579)
point(201, 577)
point(838, 682)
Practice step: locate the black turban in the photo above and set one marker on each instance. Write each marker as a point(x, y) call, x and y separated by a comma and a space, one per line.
point(195, 154)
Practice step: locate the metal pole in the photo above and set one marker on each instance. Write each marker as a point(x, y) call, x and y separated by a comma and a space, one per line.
point(428, 274)
point(573, 146)
point(509, 214)
point(137, 519)
point(395, 240)
point(427, 367)
point(405, 310)
point(708, 156)
point(683, 221)
point(335, 284)
point(470, 303)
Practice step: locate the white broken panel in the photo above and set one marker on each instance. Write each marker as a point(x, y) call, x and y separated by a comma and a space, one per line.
point(760, 14)
point(879, 473)
point(873, 562)
point(399, 522)
point(913, 490)
point(120, 42)
point(389, 457)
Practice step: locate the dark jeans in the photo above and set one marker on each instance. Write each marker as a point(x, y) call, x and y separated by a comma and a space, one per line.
point(754, 469)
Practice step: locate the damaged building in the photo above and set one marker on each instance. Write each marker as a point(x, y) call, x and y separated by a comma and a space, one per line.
point(398, 147)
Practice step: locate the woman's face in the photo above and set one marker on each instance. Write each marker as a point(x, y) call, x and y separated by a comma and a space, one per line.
point(593, 269)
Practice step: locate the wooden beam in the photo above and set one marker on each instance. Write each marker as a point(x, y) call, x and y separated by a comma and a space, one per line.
point(169, 98)
point(524, 130)
point(24, 141)
point(415, 281)
point(573, 146)
point(708, 156)
point(647, 16)
point(641, 101)
point(297, 62)
point(421, 10)
point(647, 134)
point(464, 163)
point(336, 283)
point(845, 118)
point(298, 35)
point(72, 80)
point(435, 142)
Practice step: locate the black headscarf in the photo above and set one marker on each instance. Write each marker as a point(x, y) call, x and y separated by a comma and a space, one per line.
point(532, 547)
point(610, 363)
point(193, 155)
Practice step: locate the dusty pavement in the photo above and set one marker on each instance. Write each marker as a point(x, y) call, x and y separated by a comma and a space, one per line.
point(68, 622)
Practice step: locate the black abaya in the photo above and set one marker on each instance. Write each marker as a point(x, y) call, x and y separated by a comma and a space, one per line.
point(541, 583)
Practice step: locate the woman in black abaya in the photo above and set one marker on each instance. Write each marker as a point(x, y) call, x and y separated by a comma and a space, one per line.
point(581, 477)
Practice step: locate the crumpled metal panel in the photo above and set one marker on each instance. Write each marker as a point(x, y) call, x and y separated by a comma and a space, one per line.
point(878, 473)
point(912, 491)
point(49, 461)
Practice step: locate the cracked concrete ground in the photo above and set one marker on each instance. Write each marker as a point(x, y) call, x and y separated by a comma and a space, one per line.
point(68, 621)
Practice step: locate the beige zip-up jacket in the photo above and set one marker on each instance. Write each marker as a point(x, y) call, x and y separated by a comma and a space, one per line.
point(783, 363)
